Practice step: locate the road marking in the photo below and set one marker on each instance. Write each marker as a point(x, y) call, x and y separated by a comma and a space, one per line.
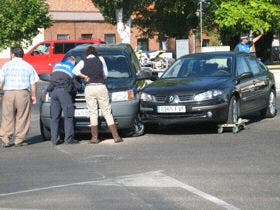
point(153, 179)
point(16, 209)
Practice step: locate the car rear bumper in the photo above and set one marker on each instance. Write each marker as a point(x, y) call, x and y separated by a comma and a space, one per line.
point(195, 114)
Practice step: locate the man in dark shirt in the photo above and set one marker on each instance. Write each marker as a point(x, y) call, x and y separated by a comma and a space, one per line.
point(61, 100)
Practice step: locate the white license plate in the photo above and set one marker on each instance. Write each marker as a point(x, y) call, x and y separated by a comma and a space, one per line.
point(85, 112)
point(171, 109)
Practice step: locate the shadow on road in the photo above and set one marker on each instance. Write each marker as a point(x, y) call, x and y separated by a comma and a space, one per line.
point(35, 140)
point(191, 129)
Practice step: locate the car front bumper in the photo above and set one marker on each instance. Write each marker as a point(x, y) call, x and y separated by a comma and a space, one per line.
point(124, 114)
point(195, 113)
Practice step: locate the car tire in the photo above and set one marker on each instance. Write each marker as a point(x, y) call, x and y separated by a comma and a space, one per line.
point(45, 133)
point(233, 110)
point(138, 128)
point(270, 111)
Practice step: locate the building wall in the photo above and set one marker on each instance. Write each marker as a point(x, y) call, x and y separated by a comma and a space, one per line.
point(75, 27)
point(97, 29)
point(72, 5)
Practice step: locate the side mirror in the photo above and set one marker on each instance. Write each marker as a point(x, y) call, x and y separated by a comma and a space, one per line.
point(147, 73)
point(245, 75)
point(45, 77)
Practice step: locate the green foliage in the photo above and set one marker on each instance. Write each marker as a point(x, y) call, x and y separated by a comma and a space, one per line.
point(20, 20)
point(168, 18)
point(244, 15)
point(108, 8)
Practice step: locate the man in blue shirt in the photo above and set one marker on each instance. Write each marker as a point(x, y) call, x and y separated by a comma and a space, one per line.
point(61, 87)
point(245, 44)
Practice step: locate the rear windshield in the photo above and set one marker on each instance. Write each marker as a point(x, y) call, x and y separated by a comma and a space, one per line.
point(200, 67)
point(117, 64)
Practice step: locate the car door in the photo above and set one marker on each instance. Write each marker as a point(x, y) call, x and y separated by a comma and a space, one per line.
point(39, 58)
point(260, 82)
point(245, 84)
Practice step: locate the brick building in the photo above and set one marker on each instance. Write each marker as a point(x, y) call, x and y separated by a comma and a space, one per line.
point(80, 19)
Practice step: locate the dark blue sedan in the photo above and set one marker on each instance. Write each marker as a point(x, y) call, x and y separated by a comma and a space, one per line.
point(218, 87)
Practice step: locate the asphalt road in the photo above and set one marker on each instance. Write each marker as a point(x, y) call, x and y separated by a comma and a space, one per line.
point(182, 167)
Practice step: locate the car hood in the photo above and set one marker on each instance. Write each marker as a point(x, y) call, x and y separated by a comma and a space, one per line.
point(120, 84)
point(163, 86)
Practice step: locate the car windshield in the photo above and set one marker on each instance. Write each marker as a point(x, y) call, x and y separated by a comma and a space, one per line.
point(117, 64)
point(204, 66)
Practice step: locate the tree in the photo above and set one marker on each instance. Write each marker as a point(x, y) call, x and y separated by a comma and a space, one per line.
point(21, 20)
point(234, 17)
point(119, 12)
point(245, 15)
point(168, 18)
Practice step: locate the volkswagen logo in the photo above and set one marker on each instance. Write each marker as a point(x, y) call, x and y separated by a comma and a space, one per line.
point(170, 99)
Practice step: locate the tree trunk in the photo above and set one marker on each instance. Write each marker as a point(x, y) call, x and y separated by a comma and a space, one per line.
point(124, 29)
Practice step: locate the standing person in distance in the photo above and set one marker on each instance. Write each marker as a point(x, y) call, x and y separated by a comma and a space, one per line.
point(94, 70)
point(61, 88)
point(245, 44)
point(18, 80)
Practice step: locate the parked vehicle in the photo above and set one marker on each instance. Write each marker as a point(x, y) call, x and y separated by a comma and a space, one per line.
point(46, 54)
point(217, 87)
point(124, 81)
point(157, 60)
point(275, 55)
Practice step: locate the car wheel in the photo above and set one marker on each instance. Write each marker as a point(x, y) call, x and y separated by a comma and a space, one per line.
point(270, 111)
point(233, 110)
point(45, 133)
point(138, 128)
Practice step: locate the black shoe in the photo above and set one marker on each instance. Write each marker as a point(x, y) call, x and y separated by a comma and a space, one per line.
point(72, 142)
point(57, 143)
point(21, 144)
point(6, 145)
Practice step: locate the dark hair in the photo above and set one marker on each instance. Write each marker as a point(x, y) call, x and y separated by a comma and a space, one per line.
point(91, 51)
point(17, 51)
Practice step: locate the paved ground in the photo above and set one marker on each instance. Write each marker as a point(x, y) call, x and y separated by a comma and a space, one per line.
point(183, 168)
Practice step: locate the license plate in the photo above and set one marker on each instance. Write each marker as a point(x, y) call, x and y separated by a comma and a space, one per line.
point(171, 109)
point(85, 112)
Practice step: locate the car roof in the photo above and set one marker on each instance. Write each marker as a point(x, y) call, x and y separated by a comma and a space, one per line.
point(102, 47)
point(219, 53)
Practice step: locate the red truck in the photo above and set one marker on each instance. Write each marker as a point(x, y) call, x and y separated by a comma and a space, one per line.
point(46, 54)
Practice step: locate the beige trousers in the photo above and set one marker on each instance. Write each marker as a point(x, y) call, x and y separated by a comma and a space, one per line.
point(97, 95)
point(16, 113)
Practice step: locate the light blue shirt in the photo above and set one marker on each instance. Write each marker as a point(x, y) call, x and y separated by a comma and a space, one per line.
point(17, 74)
point(243, 47)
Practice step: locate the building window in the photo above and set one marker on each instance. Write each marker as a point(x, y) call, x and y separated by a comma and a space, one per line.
point(63, 36)
point(86, 36)
point(110, 38)
point(143, 44)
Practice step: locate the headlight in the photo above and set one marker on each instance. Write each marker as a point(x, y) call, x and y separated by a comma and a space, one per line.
point(123, 96)
point(207, 95)
point(146, 97)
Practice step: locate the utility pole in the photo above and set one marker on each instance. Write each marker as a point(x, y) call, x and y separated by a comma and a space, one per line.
point(201, 13)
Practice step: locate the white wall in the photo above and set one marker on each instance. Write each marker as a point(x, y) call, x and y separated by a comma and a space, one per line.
point(215, 48)
point(39, 38)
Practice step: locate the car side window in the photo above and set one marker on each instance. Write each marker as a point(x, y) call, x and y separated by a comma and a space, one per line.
point(42, 49)
point(62, 48)
point(241, 65)
point(263, 68)
point(253, 66)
